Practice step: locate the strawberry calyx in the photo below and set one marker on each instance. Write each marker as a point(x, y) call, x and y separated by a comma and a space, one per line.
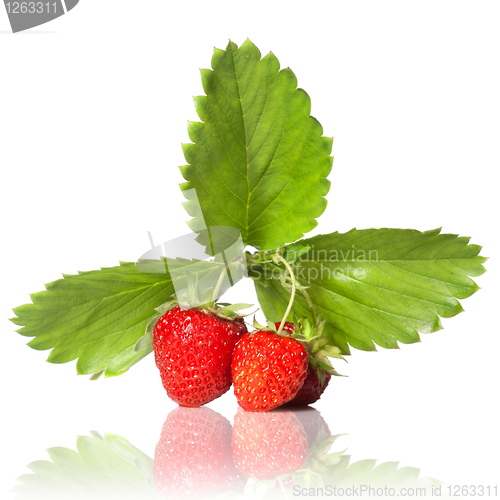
point(309, 333)
point(318, 346)
point(222, 310)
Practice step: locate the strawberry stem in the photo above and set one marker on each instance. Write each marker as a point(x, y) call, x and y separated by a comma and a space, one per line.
point(218, 285)
point(277, 259)
point(311, 308)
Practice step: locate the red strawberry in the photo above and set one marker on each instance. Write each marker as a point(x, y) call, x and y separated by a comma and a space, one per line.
point(193, 457)
point(268, 370)
point(313, 388)
point(317, 430)
point(193, 350)
point(268, 444)
point(288, 327)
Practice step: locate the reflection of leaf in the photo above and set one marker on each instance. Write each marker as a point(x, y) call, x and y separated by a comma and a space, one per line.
point(326, 469)
point(109, 468)
point(366, 472)
point(96, 316)
point(334, 476)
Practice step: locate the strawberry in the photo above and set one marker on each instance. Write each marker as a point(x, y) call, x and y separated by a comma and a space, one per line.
point(282, 471)
point(193, 350)
point(268, 444)
point(267, 369)
point(312, 389)
point(193, 457)
point(317, 430)
point(315, 382)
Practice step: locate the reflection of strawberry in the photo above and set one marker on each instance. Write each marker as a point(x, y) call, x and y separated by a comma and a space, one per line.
point(193, 350)
point(268, 444)
point(268, 369)
point(193, 457)
point(314, 425)
point(315, 382)
point(319, 467)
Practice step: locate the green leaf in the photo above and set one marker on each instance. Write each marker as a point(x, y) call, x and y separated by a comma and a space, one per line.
point(377, 286)
point(108, 467)
point(258, 162)
point(98, 317)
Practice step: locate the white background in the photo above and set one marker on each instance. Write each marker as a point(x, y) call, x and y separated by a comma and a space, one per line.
point(93, 108)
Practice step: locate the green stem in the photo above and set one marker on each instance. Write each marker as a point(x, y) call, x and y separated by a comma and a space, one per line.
point(312, 309)
point(277, 259)
point(218, 285)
